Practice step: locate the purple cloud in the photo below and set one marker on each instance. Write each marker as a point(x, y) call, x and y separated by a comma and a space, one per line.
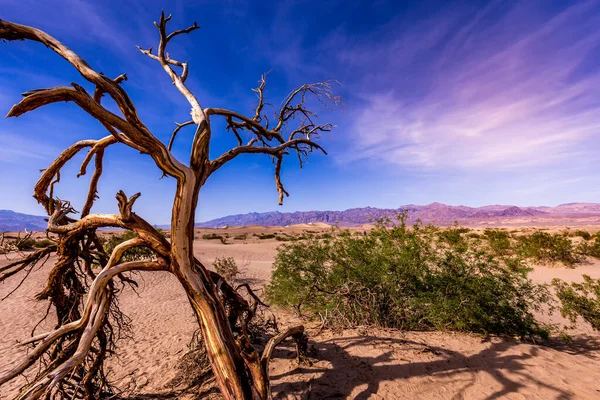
point(490, 95)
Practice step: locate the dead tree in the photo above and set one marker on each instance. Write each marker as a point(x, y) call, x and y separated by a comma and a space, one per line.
point(81, 285)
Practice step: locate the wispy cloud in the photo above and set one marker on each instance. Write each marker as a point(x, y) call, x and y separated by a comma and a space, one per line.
point(492, 96)
point(18, 149)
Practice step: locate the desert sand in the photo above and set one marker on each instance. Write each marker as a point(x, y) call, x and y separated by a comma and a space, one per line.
point(360, 363)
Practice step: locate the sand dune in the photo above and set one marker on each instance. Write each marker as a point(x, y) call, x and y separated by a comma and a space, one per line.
point(357, 364)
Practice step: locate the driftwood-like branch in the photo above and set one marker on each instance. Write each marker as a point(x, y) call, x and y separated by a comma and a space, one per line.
point(98, 93)
point(179, 126)
point(271, 141)
point(75, 350)
point(137, 134)
point(166, 61)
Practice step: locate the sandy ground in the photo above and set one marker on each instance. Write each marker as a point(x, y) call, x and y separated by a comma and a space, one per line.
point(357, 364)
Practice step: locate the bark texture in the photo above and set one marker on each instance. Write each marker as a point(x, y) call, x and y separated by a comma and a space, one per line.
point(82, 285)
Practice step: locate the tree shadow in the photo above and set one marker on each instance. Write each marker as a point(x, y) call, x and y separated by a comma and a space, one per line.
point(347, 372)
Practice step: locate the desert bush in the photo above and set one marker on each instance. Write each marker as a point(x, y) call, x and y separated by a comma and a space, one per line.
point(266, 236)
point(285, 238)
point(453, 236)
point(579, 300)
point(499, 241)
point(545, 247)
point(214, 236)
point(240, 237)
point(22, 243)
point(133, 254)
point(31, 243)
point(42, 243)
point(166, 234)
point(227, 268)
point(590, 247)
point(407, 278)
point(582, 234)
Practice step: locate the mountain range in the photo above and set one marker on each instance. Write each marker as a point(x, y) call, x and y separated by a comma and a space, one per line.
point(14, 221)
point(437, 213)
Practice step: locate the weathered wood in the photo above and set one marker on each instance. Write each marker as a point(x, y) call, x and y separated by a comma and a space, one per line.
point(241, 372)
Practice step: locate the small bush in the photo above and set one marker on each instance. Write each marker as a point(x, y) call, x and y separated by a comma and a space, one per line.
point(21, 243)
point(29, 243)
point(453, 236)
point(43, 243)
point(545, 247)
point(583, 234)
point(580, 300)
point(417, 279)
point(266, 236)
point(214, 236)
point(590, 247)
point(285, 238)
point(240, 237)
point(499, 241)
point(166, 234)
point(133, 254)
point(227, 268)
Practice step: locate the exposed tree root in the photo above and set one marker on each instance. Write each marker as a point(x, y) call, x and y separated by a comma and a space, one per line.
point(80, 286)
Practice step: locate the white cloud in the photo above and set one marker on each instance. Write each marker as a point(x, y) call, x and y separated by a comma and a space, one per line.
point(529, 100)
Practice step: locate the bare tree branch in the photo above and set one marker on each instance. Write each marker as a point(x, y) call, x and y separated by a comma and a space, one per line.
point(76, 349)
point(179, 126)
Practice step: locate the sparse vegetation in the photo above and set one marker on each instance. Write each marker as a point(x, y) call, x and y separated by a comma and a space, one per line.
point(227, 268)
point(25, 242)
point(420, 278)
point(134, 254)
point(580, 300)
point(499, 241)
point(585, 235)
point(214, 236)
point(544, 247)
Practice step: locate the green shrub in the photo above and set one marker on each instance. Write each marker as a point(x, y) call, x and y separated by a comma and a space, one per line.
point(214, 236)
point(545, 247)
point(583, 234)
point(417, 279)
point(285, 238)
point(29, 243)
point(590, 247)
point(266, 236)
point(133, 254)
point(43, 243)
point(499, 241)
point(453, 236)
point(240, 237)
point(227, 268)
point(580, 300)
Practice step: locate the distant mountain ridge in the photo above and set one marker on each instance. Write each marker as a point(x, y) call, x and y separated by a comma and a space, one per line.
point(438, 213)
point(14, 221)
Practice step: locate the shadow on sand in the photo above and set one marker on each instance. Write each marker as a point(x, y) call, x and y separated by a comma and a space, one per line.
point(347, 372)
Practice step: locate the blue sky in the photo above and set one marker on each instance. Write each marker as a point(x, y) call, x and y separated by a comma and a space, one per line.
point(462, 102)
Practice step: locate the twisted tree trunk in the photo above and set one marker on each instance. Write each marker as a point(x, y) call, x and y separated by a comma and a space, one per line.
point(222, 313)
point(218, 337)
